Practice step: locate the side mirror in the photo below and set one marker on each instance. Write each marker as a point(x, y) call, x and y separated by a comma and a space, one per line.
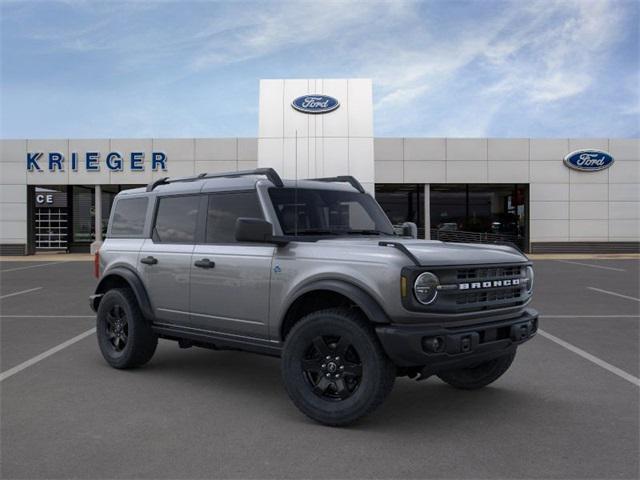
point(409, 229)
point(256, 230)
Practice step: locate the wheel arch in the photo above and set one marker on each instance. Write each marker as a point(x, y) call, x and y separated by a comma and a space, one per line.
point(122, 277)
point(328, 293)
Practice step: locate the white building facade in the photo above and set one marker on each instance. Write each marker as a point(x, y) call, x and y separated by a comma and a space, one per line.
point(57, 194)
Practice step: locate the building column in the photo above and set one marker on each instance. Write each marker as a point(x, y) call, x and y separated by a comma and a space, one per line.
point(31, 220)
point(427, 211)
point(98, 219)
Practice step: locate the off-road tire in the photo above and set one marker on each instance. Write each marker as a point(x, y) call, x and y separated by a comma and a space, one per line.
point(377, 373)
point(480, 375)
point(141, 342)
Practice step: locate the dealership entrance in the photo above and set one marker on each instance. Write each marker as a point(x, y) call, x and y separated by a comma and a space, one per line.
point(63, 216)
point(476, 213)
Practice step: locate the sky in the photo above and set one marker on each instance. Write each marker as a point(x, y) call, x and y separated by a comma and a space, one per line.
point(88, 69)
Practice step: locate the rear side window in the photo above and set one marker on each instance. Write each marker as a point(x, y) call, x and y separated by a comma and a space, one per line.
point(176, 219)
point(224, 209)
point(128, 217)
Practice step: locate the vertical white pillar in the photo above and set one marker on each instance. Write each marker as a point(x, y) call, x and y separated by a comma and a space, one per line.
point(427, 211)
point(303, 145)
point(98, 219)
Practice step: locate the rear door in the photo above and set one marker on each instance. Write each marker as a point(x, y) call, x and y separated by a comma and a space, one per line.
point(165, 259)
point(230, 280)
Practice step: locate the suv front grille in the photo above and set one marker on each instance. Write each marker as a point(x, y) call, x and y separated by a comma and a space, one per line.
point(482, 288)
point(510, 293)
point(492, 273)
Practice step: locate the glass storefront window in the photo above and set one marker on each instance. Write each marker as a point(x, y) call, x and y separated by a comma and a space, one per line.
point(403, 203)
point(461, 212)
point(84, 210)
point(479, 213)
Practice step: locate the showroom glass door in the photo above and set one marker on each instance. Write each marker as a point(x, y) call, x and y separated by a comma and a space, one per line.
point(480, 213)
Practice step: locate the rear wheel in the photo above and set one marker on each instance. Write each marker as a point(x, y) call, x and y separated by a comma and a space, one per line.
point(480, 375)
point(334, 368)
point(124, 336)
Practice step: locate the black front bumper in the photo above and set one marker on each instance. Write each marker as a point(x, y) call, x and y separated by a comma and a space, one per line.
point(440, 348)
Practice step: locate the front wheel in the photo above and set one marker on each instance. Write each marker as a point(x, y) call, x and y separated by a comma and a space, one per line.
point(334, 368)
point(480, 375)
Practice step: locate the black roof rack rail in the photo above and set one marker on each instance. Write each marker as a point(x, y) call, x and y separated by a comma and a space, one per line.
point(342, 178)
point(270, 173)
point(160, 181)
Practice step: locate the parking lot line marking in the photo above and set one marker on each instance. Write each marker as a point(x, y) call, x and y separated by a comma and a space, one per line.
point(47, 316)
point(32, 361)
point(32, 266)
point(603, 267)
point(613, 293)
point(19, 293)
point(586, 316)
point(592, 358)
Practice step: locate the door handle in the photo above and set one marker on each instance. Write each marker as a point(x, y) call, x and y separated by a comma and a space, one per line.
point(204, 263)
point(149, 260)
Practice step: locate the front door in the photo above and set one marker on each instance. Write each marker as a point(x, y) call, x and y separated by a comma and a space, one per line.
point(165, 259)
point(230, 280)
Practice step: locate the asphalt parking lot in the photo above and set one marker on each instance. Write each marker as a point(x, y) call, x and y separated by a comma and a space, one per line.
point(564, 410)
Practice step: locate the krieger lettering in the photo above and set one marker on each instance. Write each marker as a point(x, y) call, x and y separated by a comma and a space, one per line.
point(114, 161)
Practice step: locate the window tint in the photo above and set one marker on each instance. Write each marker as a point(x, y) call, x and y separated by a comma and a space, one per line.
point(224, 210)
point(128, 217)
point(176, 219)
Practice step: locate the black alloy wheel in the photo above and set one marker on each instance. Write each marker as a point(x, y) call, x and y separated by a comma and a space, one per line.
point(125, 337)
point(333, 367)
point(117, 327)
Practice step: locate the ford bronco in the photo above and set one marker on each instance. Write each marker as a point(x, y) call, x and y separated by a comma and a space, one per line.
point(311, 271)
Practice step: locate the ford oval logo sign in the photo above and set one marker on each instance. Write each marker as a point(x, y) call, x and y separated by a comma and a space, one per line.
point(315, 104)
point(588, 160)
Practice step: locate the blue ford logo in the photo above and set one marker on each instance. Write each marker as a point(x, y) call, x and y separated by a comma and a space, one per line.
point(588, 160)
point(315, 104)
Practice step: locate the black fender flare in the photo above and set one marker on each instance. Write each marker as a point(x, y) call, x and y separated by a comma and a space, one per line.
point(369, 306)
point(135, 283)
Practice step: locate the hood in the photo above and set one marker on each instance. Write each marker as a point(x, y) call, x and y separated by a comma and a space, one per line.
point(436, 253)
point(445, 253)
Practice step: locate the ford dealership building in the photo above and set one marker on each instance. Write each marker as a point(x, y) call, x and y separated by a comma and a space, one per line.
point(545, 195)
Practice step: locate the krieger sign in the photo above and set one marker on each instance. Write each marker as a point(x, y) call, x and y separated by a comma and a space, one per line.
point(91, 161)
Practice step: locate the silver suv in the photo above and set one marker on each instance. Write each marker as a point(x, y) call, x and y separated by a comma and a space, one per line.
point(310, 271)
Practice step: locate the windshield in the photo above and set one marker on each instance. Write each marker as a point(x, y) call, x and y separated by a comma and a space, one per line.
point(328, 212)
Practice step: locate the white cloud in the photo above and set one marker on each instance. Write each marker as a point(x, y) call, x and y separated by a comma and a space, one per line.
point(436, 70)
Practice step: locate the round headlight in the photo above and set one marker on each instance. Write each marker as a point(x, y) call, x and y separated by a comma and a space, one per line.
point(529, 274)
point(425, 288)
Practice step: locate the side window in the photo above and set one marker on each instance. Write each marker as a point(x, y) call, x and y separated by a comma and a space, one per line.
point(224, 209)
point(176, 219)
point(128, 217)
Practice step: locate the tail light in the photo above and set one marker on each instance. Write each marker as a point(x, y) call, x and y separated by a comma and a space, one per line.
point(96, 265)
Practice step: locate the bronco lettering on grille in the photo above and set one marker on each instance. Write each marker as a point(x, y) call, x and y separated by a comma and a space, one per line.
point(489, 284)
